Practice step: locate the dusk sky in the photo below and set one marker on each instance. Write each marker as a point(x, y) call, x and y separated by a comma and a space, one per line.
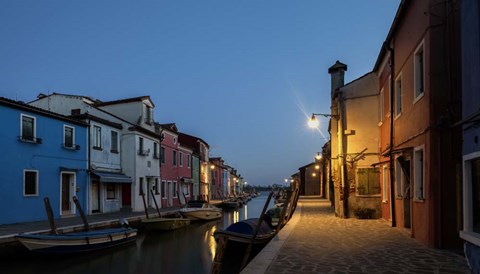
point(242, 75)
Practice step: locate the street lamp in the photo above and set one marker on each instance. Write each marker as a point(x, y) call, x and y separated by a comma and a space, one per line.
point(318, 157)
point(313, 122)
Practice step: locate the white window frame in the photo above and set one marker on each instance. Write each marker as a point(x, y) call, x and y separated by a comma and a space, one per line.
point(417, 72)
point(64, 136)
point(163, 194)
point(398, 107)
point(97, 137)
point(382, 106)
point(419, 190)
point(467, 233)
point(34, 127)
point(174, 158)
point(385, 184)
point(36, 183)
point(180, 159)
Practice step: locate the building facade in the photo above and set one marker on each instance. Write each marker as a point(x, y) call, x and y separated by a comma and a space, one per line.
point(420, 94)
point(44, 154)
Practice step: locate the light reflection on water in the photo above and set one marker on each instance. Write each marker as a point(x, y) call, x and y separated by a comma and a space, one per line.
point(187, 250)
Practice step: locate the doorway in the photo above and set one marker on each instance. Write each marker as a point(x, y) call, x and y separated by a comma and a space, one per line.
point(95, 196)
point(67, 193)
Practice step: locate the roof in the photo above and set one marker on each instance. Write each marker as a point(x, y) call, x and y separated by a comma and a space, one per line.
point(97, 119)
point(169, 126)
point(23, 106)
point(123, 101)
point(190, 140)
point(393, 28)
point(41, 96)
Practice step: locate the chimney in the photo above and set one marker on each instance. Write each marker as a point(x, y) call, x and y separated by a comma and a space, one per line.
point(337, 73)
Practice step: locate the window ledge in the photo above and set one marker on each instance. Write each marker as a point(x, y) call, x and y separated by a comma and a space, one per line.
point(471, 237)
point(34, 140)
point(416, 99)
point(368, 195)
point(380, 123)
point(98, 148)
point(398, 116)
point(418, 200)
point(398, 198)
point(385, 201)
point(114, 151)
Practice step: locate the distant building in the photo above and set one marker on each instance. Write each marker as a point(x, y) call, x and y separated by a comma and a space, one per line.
point(217, 174)
point(44, 154)
point(311, 175)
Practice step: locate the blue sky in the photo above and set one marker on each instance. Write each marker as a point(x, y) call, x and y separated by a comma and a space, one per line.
point(242, 75)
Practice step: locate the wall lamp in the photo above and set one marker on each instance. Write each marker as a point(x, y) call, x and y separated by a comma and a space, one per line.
point(313, 122)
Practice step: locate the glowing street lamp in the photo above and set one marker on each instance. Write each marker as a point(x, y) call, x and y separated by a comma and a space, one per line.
point(318, 157)
point(314, 123)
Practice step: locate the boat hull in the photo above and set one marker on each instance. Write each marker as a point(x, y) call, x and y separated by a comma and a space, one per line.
point(201, 214)
point(165, 223)
point(236, 239)
point(78, 242)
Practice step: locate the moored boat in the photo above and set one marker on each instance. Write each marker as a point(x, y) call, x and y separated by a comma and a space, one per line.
point(83, 241)
point(163, 223)
point(199, 210)
point(76, 242)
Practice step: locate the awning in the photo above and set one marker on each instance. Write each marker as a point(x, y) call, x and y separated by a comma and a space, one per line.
point(187, 180)
point(110, 177)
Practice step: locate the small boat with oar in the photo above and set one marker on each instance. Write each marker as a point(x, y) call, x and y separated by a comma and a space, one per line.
point(76, 242)
point(162, 223)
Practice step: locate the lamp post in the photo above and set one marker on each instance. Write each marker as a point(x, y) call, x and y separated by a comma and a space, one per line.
point(313, 122)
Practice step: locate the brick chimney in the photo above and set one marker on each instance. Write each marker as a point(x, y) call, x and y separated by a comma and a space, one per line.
point(337, 72)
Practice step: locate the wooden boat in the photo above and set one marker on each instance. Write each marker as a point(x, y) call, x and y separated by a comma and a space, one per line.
point(83, 241)
point(162, 223)
point(241, 242)
point(236, 240)
point(76, 242)
point(199, 210)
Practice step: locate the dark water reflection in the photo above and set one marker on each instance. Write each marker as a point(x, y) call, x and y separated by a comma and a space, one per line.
point(187, 250)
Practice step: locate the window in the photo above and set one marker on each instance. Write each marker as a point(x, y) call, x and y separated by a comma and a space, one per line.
point(382, 104)
point(155, 151)
point(28, 128)
point(68, 133)
point(398, 179)
point(164, 189)
point(398, 96)
point(368, 181)
point(419, 167)
point(114, 137)
point(157, 187)
point(97, 137)
point(189, 160)
point(140, 186)
point(385, 184)
point(141, 147)
point(148, 115)
point(175, 191)
point(180, 158)
point(30, 183)
point(471, 198)
point(419, 73)
point(186, 190)
point(174, 155)
point(111, 192)
point(475, 194)
point(162, 155)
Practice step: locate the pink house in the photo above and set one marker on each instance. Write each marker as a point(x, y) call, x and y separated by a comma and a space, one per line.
point(217, 170)
point(169, 165)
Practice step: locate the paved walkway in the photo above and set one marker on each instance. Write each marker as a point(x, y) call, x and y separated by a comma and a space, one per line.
point(315, 241)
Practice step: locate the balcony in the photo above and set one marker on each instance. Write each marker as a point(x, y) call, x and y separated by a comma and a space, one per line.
point(143, 152)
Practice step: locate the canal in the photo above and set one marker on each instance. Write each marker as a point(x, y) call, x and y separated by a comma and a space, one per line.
point(187, 250)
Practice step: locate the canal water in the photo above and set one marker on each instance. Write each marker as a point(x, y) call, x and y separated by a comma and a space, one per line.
point(187, 250)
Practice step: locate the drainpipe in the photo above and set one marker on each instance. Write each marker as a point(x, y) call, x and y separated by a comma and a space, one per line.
point(343, 154)
point(392, 174)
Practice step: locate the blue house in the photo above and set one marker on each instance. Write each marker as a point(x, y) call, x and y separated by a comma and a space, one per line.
point(43, 154)
point(470, 33)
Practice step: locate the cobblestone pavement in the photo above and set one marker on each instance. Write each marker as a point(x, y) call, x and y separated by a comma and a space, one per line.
point(323, 243)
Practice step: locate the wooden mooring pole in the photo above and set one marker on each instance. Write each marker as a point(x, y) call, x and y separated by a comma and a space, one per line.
point(82, 214)
point(51, 220)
